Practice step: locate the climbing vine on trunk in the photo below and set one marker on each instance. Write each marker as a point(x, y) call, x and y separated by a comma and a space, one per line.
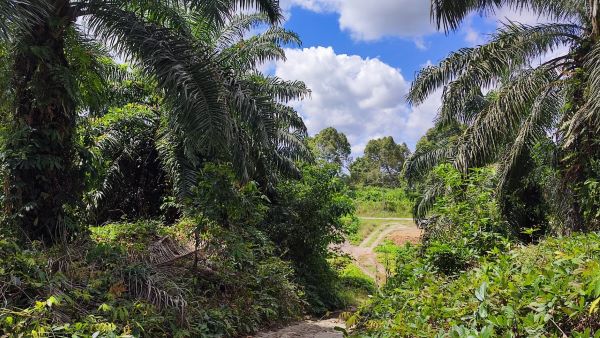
point(39, 148)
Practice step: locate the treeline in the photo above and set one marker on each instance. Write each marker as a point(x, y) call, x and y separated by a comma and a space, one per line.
point(380, 166)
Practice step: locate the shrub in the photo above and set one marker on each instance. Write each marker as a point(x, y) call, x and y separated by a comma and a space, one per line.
point(546, 290)
point(139, 279)
point(306, 217)
point(382, 202)
point(468, 223)
point(448, 258)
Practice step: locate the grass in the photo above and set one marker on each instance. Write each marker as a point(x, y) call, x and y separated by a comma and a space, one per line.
point(366, 227)
point(382, 202)
point(355, 287)
point(387, 254)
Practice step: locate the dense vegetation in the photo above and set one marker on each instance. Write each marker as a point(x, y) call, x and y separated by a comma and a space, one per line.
point(548, 290)
point(175, 192)
point(172, 195)
point(505, 185)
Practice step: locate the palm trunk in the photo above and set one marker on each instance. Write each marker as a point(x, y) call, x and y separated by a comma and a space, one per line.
point(595, 18)
point(40, 152)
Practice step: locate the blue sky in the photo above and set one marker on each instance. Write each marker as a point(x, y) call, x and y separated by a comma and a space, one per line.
point(359, 58)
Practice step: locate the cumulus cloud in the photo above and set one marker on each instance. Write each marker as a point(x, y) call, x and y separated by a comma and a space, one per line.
point(362, 97)
point(368, 20)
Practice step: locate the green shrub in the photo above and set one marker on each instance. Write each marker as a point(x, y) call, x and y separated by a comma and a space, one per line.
point(306, 217)
point(352, 276)
point(546, 290)
point(468, 223)
point(448, 258)
point(140, 279)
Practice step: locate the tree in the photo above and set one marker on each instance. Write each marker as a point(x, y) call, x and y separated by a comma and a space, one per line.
point(382, 163)
point(39, 149)
point(269, 134)
point(305, 219)
point(529, 100)
point(332, 146)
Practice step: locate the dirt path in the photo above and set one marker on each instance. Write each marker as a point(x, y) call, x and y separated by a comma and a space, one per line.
point(399, 230)
point(364, 254)
point(308, 329)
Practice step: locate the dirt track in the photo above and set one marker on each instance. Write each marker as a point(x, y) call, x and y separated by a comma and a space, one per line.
point(399, 230)
point(308, 329)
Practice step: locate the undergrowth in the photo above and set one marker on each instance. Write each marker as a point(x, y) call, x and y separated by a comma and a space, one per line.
point(354, 286)
point(382, 202)
point(546, 290)
point(144, 279)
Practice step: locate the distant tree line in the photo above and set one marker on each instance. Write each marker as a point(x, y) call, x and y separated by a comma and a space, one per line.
point(381, 165)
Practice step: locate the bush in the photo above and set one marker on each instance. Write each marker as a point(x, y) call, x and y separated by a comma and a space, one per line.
point(448, 258)
point(306, 217)
point(140, 279)
point(468, 223)
point(546, 290)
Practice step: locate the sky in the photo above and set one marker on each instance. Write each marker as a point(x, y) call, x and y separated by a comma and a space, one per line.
point(359, 57)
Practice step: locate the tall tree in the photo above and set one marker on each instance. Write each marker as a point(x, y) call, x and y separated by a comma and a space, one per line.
point(269, 135)
point(332, 146)
point(40, 156)
point(529, 100)
point(382, 163)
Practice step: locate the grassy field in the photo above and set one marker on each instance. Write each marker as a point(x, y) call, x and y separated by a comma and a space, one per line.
point(379, 203)
point(382, 202)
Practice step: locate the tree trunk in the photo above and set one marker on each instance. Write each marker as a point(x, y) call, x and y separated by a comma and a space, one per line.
point(41, 177)
point(595, 19)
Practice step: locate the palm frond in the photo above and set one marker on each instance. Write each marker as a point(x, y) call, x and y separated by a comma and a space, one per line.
point(19, 16)
point(535, 127)
point(511, 49)
point(187, 73)
point(449, 14)
point(502, 118)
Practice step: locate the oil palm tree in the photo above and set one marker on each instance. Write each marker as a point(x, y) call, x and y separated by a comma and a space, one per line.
point(267, 135)
point(527, 100)
point(38, 150)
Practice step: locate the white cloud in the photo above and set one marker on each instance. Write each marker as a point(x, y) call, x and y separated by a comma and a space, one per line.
point(372, 20)
point(363, 98)
point(526, 17)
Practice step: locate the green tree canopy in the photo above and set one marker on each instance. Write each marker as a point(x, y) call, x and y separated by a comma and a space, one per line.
point(530, 103)
point(54, 49)
point(332, 146)
point(381, 164)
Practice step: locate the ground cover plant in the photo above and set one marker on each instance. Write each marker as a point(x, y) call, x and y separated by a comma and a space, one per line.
point(157, 180)
point(545, 290)
point(143, 279)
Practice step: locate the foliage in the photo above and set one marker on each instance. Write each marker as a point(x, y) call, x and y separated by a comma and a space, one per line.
point(138, 279)
point(381, 202)
point(211, 107)
point(127, 180)
point(332, 146)
point(467, 221)
point(506, 103)
point(549, 290)
point(590, 198)
point(305, 219)
point(354, 286)
point(381, 164)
